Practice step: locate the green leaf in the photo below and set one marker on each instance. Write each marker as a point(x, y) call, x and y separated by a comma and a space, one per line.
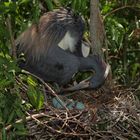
point(135, 69)
point(49, 4)
point(5, 83)
point(19, 126)
point(23, 1)
point(4, 137)
point(36, 97)
point(31, 81)
point(2, 100)
point(21, 133)
point(2, 8)
point(11, 116)
point(19, 113)
point(74, 4)
point(20, 129)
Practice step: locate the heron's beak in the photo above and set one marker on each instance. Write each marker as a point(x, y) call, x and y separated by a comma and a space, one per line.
point(82, 85)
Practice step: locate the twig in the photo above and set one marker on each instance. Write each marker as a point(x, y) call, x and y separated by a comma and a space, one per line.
point(120, 8)
point(23, 86)
point(48, 87)
point(54, 130)
point(28, 118)
point(66, 124)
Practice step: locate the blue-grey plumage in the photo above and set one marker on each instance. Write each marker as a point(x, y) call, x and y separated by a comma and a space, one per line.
point(53, 49)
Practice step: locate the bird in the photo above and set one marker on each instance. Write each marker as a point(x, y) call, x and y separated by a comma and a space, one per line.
point(54, 51)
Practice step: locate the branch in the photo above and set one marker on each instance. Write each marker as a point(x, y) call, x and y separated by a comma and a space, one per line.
point(120, 8)
point(28, 118)
point(48, 87)
point(97, 31)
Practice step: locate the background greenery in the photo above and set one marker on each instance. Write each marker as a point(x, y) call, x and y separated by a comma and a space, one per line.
point(122, 24)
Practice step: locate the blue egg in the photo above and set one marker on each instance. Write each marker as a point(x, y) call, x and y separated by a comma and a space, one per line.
point(80, 106)
point(70, 104)
point(57, 103)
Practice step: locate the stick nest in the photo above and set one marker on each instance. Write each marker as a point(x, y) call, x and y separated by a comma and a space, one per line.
point(111, 113)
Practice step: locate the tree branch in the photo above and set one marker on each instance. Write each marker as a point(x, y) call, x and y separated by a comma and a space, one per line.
point(97, 32)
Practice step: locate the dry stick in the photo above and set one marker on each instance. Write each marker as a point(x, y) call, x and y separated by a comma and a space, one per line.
point(66, 124)
point(47, 86)
point(54, 94)
point(66, 119)
point(132, 122)
point(27, 118)
point(52, 110)
point(23, 86)
point(54, 130)
point(8, 21)
point(56, 115)
point(39, 122)
point(64, 133)
point(35, 116)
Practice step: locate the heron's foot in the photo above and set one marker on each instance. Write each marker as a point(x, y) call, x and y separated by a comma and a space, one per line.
point(67, 103)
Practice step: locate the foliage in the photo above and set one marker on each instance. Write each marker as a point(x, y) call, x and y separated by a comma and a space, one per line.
point(10, 102)
point(124, 45)
point(123, 35)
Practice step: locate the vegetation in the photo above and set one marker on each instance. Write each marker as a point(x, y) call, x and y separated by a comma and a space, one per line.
point(122, 26)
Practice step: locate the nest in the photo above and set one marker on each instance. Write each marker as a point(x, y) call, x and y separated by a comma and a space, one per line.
point(111, 113)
